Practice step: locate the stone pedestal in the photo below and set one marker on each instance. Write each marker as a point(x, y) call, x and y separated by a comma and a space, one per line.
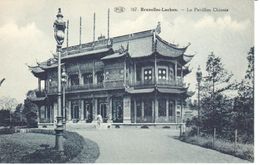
point(59, 135)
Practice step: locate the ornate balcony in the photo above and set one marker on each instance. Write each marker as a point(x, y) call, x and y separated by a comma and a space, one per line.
point(85, 87)
point(161, 83)
point(104, 85)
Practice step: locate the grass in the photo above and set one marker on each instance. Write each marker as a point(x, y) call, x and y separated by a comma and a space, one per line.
point(37, 146)
point(243, 151)
point(15, 146)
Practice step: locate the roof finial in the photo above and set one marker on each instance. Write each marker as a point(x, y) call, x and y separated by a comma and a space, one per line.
point(158, 28)
point(59, 13)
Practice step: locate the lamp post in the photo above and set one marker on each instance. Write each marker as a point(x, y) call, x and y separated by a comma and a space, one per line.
point(59, 31)
point(199, 78)
point(64, 81)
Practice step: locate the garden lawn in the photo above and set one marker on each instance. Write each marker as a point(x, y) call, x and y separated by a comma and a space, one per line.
point(14, 146)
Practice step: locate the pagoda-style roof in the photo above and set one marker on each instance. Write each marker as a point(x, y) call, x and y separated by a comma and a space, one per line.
point(138, 45)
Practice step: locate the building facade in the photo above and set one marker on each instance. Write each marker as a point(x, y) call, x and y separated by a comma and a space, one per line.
point(134, 78)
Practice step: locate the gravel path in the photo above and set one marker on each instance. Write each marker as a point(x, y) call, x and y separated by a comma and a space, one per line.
point(150, 146)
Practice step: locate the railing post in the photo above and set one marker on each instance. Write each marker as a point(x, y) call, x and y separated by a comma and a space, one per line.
point(235, 147)
point(214, 138)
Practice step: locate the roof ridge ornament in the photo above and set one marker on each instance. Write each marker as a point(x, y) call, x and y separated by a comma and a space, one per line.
point(158, 28)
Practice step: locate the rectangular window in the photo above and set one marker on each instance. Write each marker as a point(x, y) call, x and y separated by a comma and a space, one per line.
point(147, 74)
point(74, 79)
point(162, 107)
point(162, 74)
point(100, 77)
point(88, 78)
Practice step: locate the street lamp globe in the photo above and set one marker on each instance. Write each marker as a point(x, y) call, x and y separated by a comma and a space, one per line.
point(63, 77)
point(59, 28)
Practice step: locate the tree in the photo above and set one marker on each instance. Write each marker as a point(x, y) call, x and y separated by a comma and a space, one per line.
point(218, 78)
point(243, 114)
point(215, 103)
point(30, 112)
point(8, 103)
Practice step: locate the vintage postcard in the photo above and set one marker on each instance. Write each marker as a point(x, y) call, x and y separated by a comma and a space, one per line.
point(158, 81)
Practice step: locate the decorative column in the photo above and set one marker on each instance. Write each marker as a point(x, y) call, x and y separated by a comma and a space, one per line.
point(109, 100)
point(142, 110)
point(167, 110)
point(135, 109)
point(69, 111)
point(39, 84)
point(82, 110)
point(156, 109)
point(127, 109)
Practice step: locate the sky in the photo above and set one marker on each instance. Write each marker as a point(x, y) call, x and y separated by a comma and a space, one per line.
point(26, 32)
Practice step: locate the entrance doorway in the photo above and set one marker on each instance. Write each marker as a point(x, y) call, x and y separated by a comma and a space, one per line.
point(103, 111)
point(75, 111)
point(117, 110)
point(148, 110)
point(88, 111)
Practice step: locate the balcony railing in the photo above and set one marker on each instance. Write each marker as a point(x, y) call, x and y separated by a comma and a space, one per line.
point(85, 87)
point(106, 85)
point(166, 83)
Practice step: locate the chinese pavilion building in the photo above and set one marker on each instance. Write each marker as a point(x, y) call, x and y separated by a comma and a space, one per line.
point(133, 78)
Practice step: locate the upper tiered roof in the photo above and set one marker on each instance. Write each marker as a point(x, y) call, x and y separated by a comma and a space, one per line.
point(135, 45)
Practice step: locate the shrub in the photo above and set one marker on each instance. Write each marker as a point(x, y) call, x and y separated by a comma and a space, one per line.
point(7, 131)
point(144, 126)
point(166, 127)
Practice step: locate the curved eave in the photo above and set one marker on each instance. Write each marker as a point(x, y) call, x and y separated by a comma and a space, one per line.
point(184, 59)
point(171, 44)
point(37, 99)
point(186, 71)
point(189, 93)
point(37, 71)
point(115, 56)
point(87, 53)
